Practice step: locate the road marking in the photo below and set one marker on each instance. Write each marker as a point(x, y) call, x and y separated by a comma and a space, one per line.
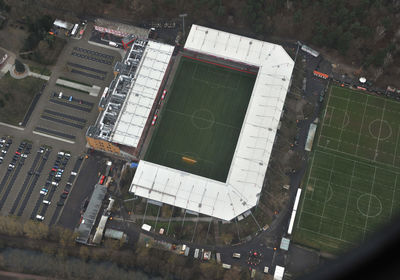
point(348, 198)
point(12, 126)
point(53, 137)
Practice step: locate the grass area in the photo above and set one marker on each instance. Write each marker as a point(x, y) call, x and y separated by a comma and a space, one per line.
point(202, 119)
point(76, 82)
point(40, 70)
point(16, 96)
point(352, 186)
point(76, 89)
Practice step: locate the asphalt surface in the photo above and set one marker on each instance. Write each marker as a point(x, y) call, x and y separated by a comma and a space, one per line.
point(64, 122)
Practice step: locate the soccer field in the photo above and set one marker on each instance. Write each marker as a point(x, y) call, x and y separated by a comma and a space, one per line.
point(202, 119)
point(352, 185)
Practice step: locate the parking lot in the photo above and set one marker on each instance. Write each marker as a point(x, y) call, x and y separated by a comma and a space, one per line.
point(35, 179)
point(42, 160)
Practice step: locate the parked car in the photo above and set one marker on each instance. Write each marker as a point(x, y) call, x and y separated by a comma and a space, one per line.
point(40, 218)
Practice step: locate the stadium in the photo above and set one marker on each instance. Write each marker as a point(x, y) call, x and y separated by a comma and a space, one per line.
point(204, 143)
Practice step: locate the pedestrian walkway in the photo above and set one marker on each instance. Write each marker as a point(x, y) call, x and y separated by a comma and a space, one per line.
point(36, 75)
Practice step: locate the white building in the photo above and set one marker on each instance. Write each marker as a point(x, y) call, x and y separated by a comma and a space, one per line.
point(241, 191)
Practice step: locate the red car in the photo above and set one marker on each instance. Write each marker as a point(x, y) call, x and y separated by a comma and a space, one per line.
point(163, 94)
point(18, 153)
point(154, 120)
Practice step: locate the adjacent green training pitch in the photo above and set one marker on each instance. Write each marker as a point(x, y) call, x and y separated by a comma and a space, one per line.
point(202, 119)
point(353, 185)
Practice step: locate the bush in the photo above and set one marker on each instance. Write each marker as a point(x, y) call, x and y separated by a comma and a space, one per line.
point(19, 67)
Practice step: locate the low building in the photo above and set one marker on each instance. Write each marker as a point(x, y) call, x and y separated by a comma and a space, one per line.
point(90, 216)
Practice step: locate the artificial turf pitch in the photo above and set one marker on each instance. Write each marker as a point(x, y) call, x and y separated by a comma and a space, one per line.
point(353, 185)
point(202, 119)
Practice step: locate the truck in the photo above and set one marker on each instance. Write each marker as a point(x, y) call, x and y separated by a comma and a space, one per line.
point(196, 253)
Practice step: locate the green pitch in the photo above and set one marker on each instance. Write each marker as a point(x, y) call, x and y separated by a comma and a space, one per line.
point(202, 119)
point(353, 185)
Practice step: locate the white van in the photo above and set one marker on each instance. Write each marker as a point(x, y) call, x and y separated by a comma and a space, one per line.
point(46, 202)
point(196, 253)
point(226, 266)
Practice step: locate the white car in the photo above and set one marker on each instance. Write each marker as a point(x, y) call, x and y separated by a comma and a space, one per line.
point(73, 173)
point(4, 151)
point(24, 155)
point(61, 153)
point(44, 191)
point(54, 183)
point(46, 202)
point(40, 218)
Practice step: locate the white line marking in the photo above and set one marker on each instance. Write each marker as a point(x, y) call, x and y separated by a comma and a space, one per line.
point(12, 126)
point(53, 137)
point(305, 192)
point(348, 198)
point(341, 129)
point(327, 191)
point(394, 191)
point(369, 205)
point(362, 123)
point(397, 140)
point(380, 130)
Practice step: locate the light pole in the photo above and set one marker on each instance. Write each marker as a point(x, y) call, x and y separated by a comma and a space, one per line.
point(183, 23)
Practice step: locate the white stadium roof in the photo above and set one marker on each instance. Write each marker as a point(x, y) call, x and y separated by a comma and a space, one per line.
point(246, 175)
point(132, 119)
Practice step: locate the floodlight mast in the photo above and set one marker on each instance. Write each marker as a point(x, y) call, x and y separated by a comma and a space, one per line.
point(183, 23)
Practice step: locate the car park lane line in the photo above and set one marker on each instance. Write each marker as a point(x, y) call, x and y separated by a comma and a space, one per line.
point(25, 184)
point(32, 186)
point(62, 121)
point(64, 115)
point(87, 68)
point(77, 107)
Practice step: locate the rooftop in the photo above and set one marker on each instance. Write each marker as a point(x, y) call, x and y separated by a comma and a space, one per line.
point(90, 215)
point(128, 100)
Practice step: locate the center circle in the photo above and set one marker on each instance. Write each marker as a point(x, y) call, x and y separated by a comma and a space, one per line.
point(203, 119)
point(369, 205)
point(380, 129)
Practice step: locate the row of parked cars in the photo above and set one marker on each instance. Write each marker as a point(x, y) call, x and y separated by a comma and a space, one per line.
point(21, 153)
point(5, 143)
point(53, 180)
